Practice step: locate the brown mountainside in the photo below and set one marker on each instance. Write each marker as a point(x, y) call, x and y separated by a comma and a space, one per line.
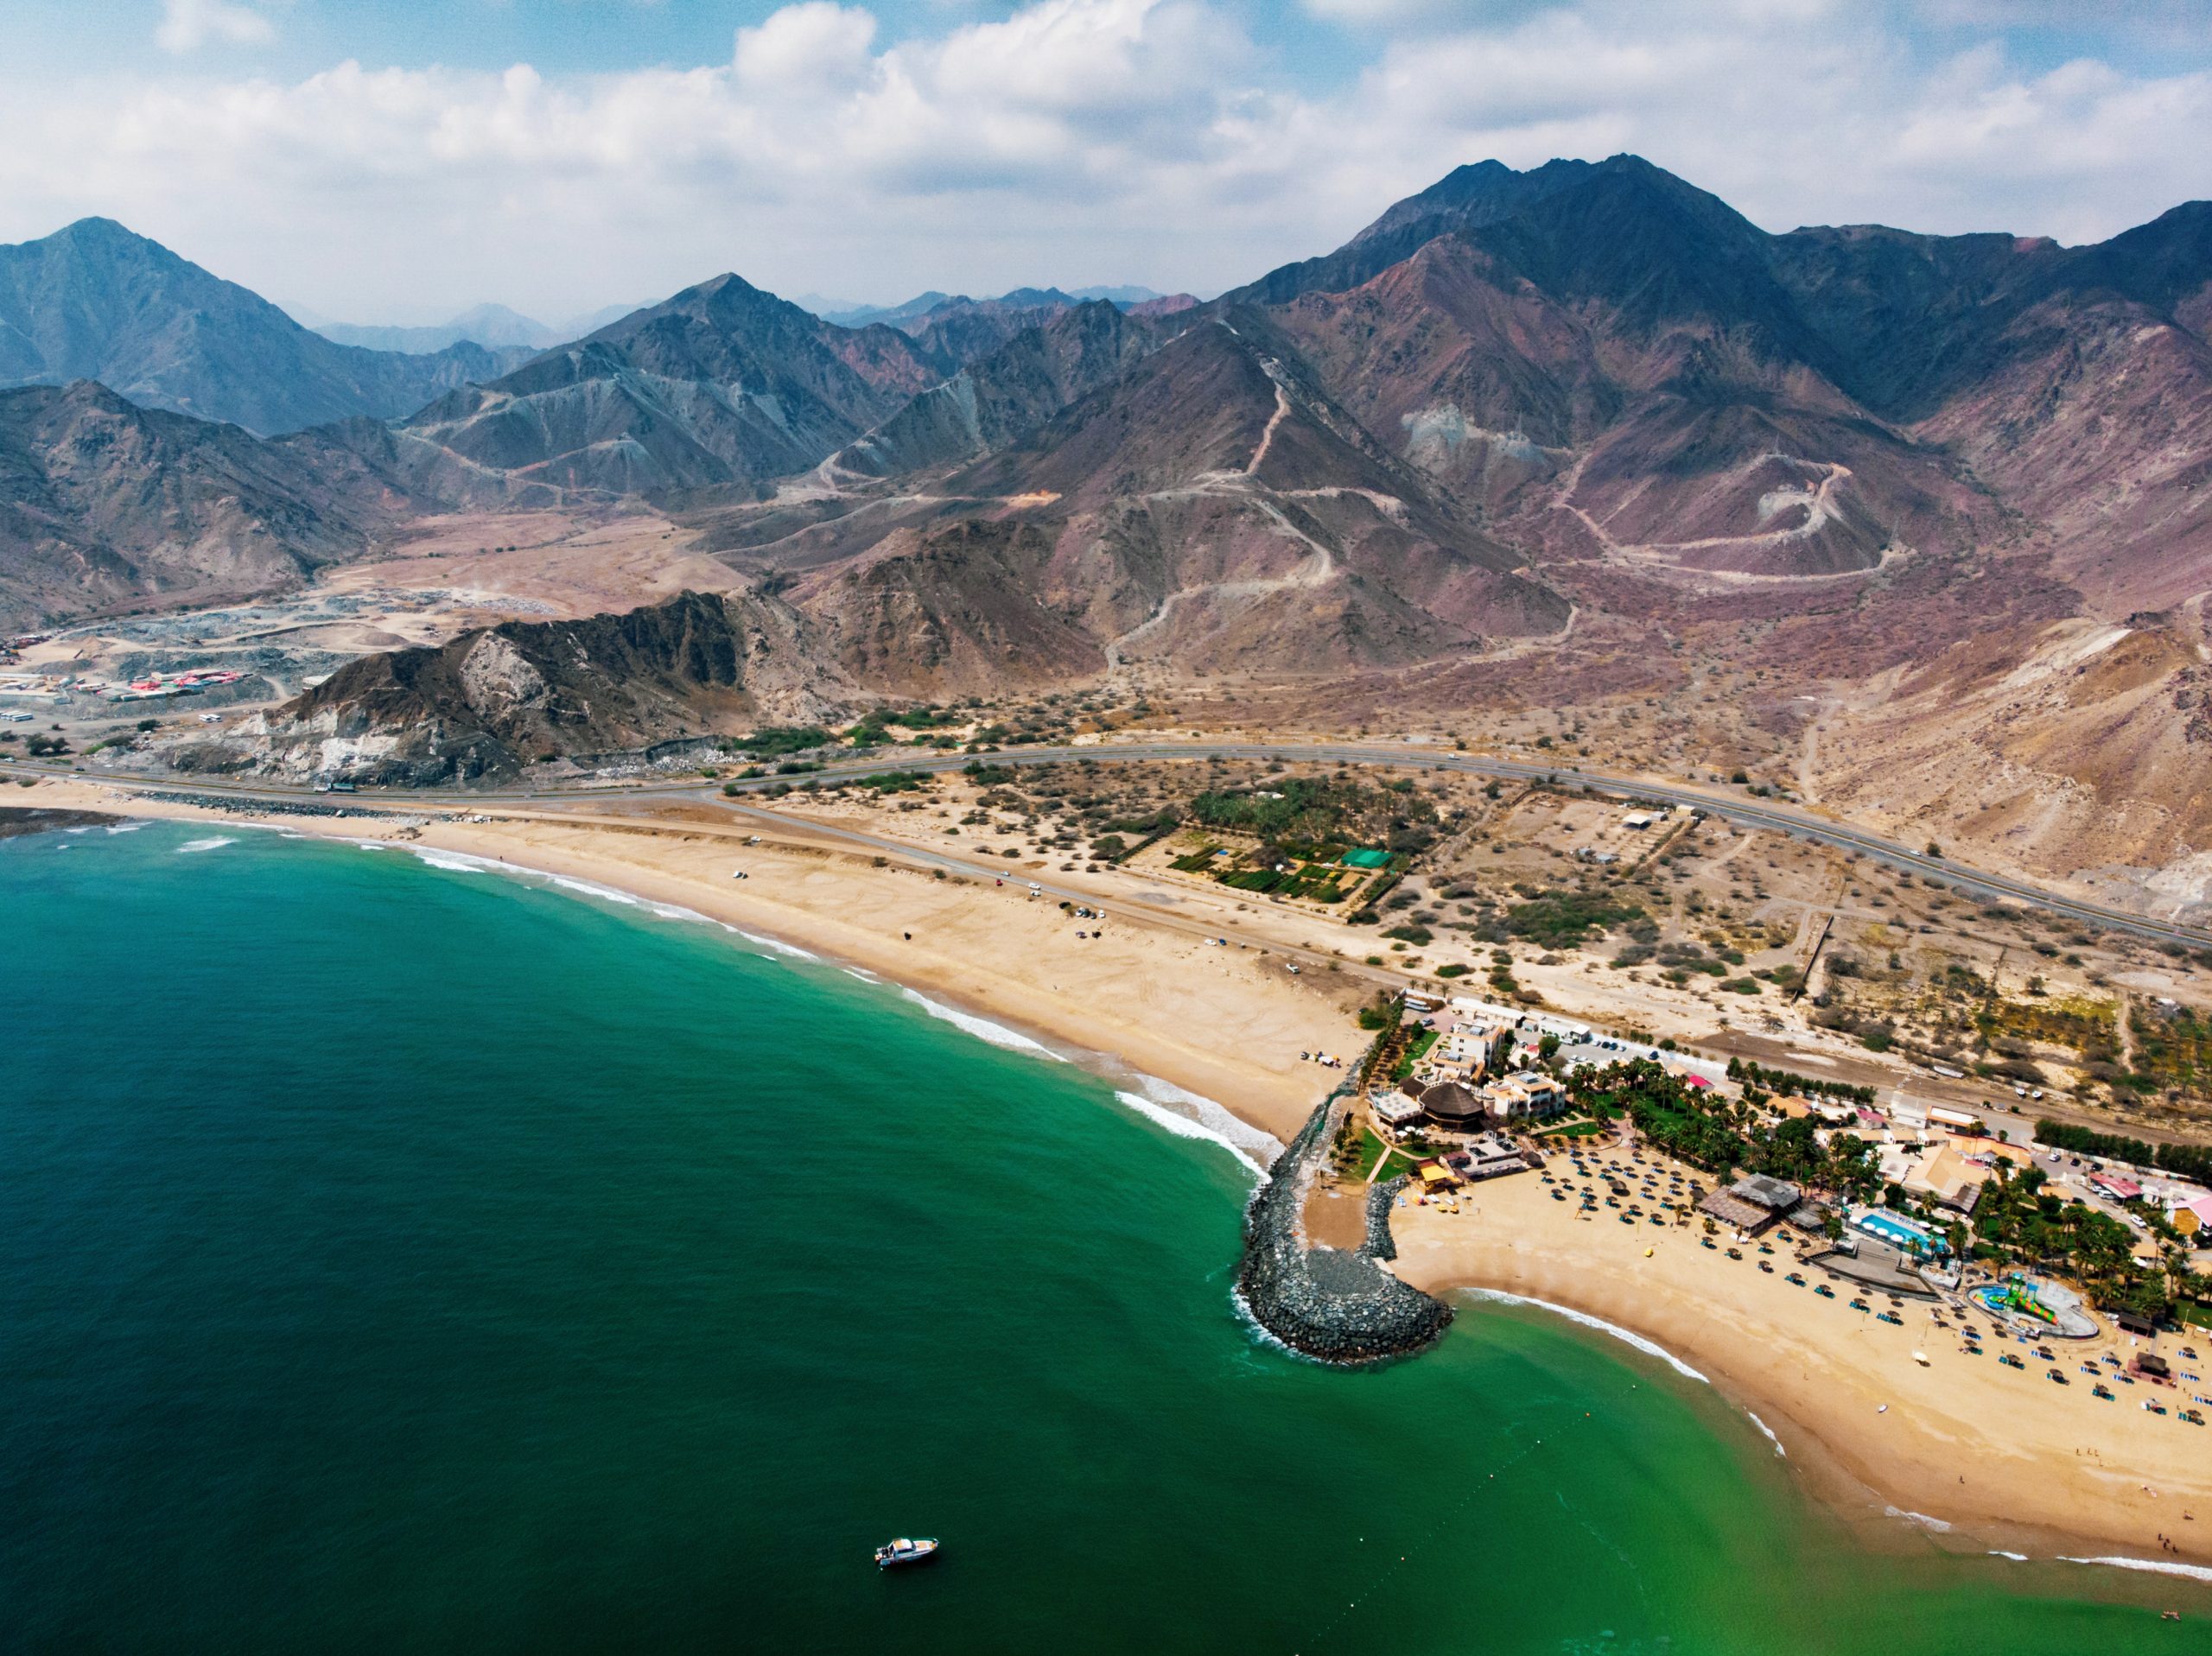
point(494, 701)
point(104, 505)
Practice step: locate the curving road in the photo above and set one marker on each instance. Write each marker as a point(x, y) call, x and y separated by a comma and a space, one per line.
point(1761, 814)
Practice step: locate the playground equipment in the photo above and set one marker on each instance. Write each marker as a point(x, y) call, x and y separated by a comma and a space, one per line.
point(2036, 1307)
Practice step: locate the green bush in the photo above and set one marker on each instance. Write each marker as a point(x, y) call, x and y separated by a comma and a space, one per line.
point(1564, 919)
point(771, 740)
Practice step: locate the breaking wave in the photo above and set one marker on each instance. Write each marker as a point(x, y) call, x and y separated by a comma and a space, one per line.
point(1649, 1347)
point(982, 1028)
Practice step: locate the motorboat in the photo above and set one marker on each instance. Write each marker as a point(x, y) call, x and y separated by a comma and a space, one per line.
point(905, 1552)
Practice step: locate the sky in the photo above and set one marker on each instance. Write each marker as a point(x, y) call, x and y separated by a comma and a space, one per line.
point(397, 161)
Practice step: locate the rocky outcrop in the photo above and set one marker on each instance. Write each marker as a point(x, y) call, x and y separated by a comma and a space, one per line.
point(492, 702)
point(1339, 1307)
point(15, 820)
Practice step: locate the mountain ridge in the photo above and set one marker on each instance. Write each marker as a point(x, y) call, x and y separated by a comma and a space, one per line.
point(95, 300)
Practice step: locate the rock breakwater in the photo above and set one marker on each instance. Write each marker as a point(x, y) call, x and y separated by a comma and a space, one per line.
point(1338, 1306)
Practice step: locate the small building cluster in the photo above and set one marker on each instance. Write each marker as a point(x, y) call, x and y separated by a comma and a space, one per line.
point(1753, 1205)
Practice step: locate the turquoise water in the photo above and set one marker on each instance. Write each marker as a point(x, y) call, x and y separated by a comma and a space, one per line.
point(396, 1259)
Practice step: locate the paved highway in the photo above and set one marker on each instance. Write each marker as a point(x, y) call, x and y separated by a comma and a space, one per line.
point(1750, 813)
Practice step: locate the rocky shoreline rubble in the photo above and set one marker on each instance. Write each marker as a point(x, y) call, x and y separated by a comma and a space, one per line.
point(1325, 1303)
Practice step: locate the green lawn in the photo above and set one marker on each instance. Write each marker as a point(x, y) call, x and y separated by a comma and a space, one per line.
point(1371, 1151)
point(1398, 1162)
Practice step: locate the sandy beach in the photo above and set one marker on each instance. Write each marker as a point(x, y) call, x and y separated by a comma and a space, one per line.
point(1224, 1023)
point(2006, 1456)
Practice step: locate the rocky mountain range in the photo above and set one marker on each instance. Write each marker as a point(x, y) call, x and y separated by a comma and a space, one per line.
point(95, 301)
point(1585, 417)
point(106, 504)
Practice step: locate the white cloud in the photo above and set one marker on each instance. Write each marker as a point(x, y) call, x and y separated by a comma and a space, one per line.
point(187, 25)
point(816, 48)
point(1072, 141)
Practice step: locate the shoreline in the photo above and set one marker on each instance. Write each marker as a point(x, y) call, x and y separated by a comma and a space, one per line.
point(1824, 1466)
point(1810, 1472)
point(1158, 1080)
point(1959, 1448)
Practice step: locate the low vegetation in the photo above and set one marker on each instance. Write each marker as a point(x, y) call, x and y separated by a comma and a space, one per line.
point(2190, 1161)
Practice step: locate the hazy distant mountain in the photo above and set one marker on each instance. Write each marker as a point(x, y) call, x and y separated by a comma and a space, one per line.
point(827, 309)
point(911, 315)
point(1006, 393)
point(493, 327)
point(1124, 296)
point(862, 316)
point(95, 301)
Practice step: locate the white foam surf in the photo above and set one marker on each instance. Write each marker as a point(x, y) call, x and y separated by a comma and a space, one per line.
point(1769, 1432)
point(130, 826)
point(455, 862)
point(1921, 1518)
point(1999, 1552)
point(1626, 1336)
point(982, 1028)
point(1190, 1115)
point(2156, 1566)
point(777, 945)
point(191, 846)
point(1237, 1143)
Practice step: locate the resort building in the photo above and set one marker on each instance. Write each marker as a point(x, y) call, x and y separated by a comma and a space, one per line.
point(2192, 1217)
point(1488, 1158)
point(1399, 1107)
point(2112, 1185)
point(1946, 1178)
point(1528, 1094)
point(1751, 1205)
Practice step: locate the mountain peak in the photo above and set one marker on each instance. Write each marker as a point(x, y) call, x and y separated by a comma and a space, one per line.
point(97, 229)
point(97, 300)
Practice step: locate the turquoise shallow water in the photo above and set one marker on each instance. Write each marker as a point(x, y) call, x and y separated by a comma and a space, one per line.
point(393, 1259)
